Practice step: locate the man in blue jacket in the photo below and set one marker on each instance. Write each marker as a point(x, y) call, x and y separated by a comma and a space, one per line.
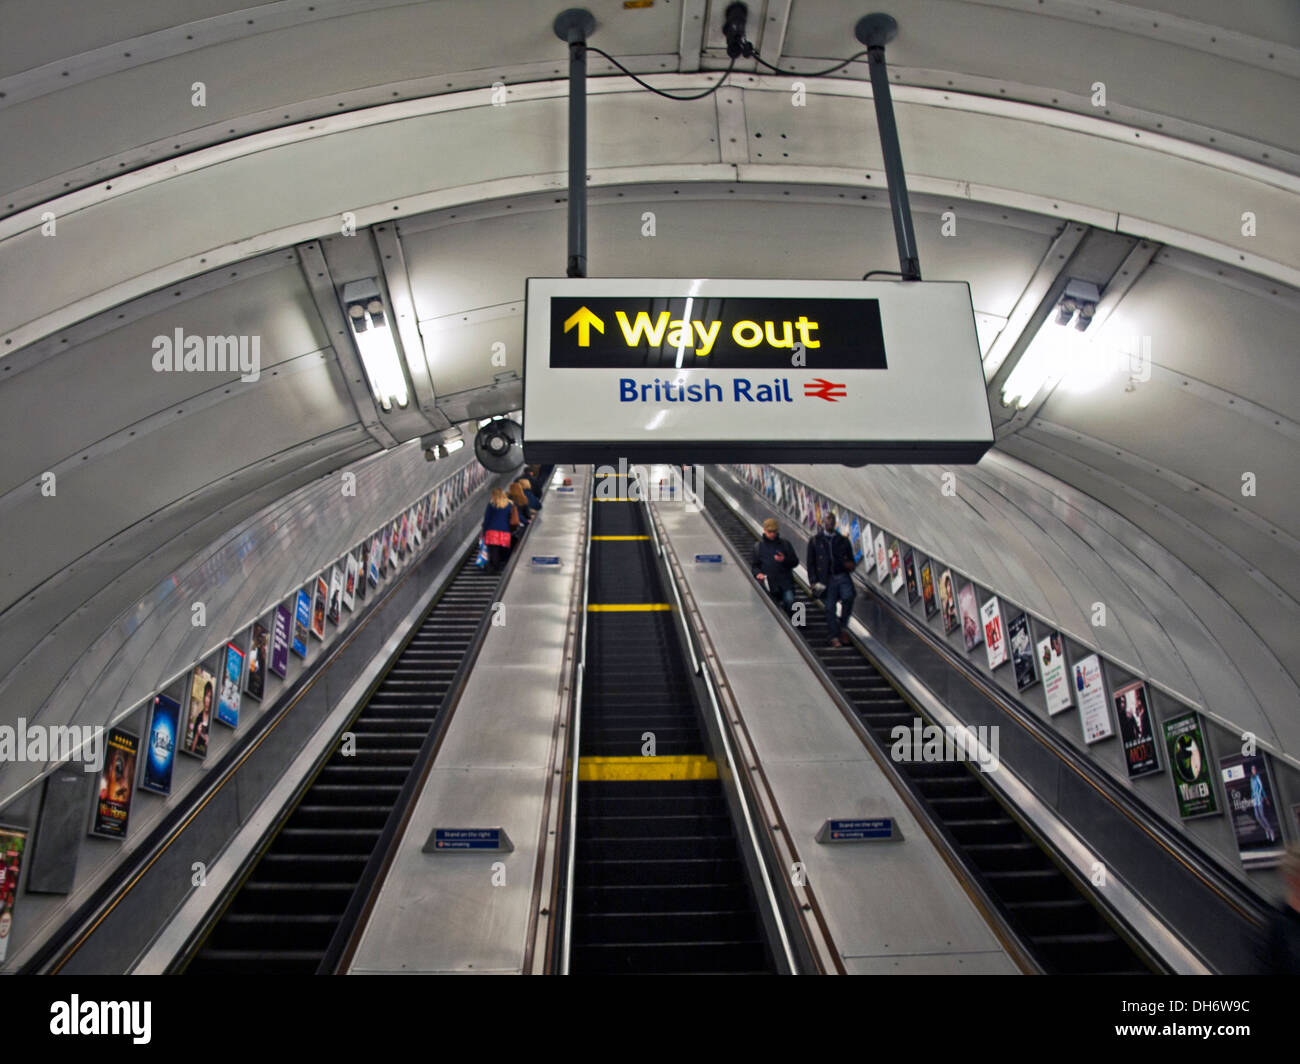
point(830, 561)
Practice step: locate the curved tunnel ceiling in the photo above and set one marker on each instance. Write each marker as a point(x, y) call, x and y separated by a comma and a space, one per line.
point(226, 219)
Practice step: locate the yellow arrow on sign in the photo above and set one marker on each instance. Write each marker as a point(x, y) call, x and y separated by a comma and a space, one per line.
point(585, 320)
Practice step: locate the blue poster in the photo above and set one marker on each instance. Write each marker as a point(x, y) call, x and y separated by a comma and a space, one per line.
point(232, 672)
point(301, 620)
point(160, 755)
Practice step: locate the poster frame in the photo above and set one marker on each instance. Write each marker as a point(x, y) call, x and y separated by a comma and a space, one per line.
point(1120, 694)
point(223, 658)
point(145, 784)
point(991, 622)
point(196, 673)
point(1094, 706)
point(97, 825)
point(1209, 766)
point(1021, 620)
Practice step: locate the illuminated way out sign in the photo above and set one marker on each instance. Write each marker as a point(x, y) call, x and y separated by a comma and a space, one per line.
point(718, 370)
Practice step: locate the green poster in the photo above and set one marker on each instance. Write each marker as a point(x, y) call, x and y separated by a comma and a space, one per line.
point(1190, 761)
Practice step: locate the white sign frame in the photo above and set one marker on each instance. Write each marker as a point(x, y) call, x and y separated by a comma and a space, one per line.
point(928, 331)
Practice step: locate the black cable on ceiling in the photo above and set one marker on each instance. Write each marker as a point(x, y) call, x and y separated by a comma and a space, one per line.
point(659, 92)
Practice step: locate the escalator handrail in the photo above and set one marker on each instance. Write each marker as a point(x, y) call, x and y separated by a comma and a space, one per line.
point(575, 717)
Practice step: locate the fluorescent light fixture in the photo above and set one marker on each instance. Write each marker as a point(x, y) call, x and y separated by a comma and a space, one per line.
point(383, 366)
point(1056, 348)
point(1043, 364)
point(452, 446)
point(375, 343)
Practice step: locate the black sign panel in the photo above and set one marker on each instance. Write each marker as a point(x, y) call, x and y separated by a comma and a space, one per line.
point(666, 333)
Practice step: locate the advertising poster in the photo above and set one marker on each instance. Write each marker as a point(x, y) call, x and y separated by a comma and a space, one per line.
point(255, 683)
point(301, 622)
point(1056, 678)
point(909, 574)
point(1189, 761)
point(867, 549)
point(14, 841)
point(318, 608)
point(350, 583)
point(231, 662)
point(896, 577)
point(1091, 685)
point(373, 553)
point(395, 548)
point(1253, 807)
point(383, 556)
point(363, 568)
point(416, 531)
point(280, 629)
point(927, 591)
point(995, 635)
point(947, 601)
point(970, 622)
point(160, 756)
point(1136, 729)
point(855, 538)
point(404, 536)
point(116, 784)
point(335, 610)
point(198, 719)
point(882, 558)
point(1022, 651)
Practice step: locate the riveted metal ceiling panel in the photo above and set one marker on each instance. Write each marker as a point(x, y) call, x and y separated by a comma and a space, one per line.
point(1050, 163)
point(1149, 69)
point(310, 61)
point(1178, 431)
point(103, 497)
point(95, 389)
point(90, 592)
point(40, 31)
point(1199, 326)
point(484, 262)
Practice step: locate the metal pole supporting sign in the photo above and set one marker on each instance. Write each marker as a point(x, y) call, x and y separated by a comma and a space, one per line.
point(574, 26)
point(875, 31)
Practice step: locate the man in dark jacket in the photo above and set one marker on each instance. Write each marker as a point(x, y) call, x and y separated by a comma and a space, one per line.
point(772, 561)
point(830, 561)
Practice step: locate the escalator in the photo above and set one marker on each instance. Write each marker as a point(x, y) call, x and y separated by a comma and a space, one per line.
point(1055, 920)
point(659, 883)
point(286, 912)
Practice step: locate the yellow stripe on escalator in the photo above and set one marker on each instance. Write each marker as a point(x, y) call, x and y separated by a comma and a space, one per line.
point(675, 767)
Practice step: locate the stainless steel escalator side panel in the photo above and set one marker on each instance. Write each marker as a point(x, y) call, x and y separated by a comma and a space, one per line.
point(471, 913)
point(889, 906)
